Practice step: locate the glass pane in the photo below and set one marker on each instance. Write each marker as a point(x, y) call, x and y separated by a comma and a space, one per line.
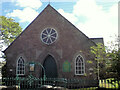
point(79, 61)
point(44, 36)
point(22, 61)
point(53, 31)
point(79, 68)
point(45, 40)
point(54, 35)
point(18, 64)
point(45, 32)
point(53, 39)
point(77, 72)
point(49, 41)
point(20, 72)
point(48, 30)
point(21, 65)
point(19, 61)
point(82, 72)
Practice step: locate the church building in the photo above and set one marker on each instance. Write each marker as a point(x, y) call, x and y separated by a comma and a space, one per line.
point(53, 46)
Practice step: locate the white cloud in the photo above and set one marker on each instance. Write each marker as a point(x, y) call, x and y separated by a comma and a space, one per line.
point(97, 22)
point(26, 15)
point(70, 16)
point(29, 3)
point(100, 23)
point(86, 8)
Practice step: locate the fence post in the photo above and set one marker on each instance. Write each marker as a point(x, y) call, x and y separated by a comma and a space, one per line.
point(18, 82)
point(18, 86)
point(65, 80)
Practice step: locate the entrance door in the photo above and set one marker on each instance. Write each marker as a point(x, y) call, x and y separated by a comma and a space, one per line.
point(50, 67)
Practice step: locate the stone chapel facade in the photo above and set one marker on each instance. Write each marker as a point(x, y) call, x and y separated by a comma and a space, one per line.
point(55, 43)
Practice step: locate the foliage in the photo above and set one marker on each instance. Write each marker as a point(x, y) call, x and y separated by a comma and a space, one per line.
point(108, 59)
point(9, 29)
point(98, 51)
point(113, 55)
point(114, 65)
point(100, 56)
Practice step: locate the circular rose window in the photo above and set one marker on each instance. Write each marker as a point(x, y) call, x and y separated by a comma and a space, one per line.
point(49, 36)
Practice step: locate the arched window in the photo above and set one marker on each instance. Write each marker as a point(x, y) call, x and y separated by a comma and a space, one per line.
point(20, 66)
point(79, 65)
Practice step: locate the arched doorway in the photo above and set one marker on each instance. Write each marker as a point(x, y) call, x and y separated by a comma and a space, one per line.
point(50, 67)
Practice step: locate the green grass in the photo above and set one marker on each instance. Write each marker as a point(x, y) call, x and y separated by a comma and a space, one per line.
point(103, 84)
point(108, 84)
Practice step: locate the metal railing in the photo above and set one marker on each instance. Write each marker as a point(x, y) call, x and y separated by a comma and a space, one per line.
point(37, 83)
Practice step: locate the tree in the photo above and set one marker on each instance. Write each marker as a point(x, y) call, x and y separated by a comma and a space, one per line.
point(114, 65)
point(9, 30)
point(108, 59)
point(100, 56)
point(113, 56)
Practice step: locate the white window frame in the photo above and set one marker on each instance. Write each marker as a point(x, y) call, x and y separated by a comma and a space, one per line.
point(82, 66)
point(23, 70)
point(50, 36)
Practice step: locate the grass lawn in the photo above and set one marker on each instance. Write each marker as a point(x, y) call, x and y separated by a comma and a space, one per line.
point(107, 83)
point(103, 84)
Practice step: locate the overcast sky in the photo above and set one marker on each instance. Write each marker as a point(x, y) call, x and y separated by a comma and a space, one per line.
point(95, 18)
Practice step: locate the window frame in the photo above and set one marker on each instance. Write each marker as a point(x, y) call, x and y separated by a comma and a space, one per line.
point(52, 41)
point(23, 67)
point(83, 66)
